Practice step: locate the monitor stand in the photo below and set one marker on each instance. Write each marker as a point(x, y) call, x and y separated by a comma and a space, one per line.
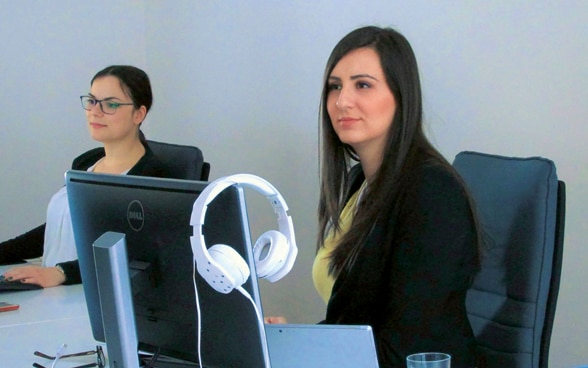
point(118, 318)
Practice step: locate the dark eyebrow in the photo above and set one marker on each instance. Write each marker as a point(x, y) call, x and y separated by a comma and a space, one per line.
point(107, 98)
point(358, 76)
point(354, 77)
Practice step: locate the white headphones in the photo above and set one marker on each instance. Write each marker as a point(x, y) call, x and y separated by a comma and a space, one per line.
point(222, 266)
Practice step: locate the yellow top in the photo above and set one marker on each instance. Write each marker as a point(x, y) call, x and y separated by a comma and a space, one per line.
point(323, 282)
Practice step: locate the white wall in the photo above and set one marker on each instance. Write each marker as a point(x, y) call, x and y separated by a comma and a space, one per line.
point(241, 80)
point(49, 52)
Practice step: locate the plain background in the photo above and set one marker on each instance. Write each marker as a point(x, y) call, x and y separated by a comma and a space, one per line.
point(242, 79)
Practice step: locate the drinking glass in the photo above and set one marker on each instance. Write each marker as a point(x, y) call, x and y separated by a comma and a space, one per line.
point(428, 360)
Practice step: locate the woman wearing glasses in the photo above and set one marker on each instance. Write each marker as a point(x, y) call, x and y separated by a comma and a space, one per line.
point(120, 98)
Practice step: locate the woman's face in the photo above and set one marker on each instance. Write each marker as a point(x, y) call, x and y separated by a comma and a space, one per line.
point(360, 103)
point(120, 126)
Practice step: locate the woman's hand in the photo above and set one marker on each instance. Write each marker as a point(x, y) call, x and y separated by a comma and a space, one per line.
point(44, 276)
point(275, 320)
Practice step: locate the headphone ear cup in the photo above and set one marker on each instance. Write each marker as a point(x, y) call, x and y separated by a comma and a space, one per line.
point(231, 261)
point(270, 252)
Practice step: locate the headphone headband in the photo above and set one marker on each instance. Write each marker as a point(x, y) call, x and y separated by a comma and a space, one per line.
point(251, 181)
point(201, 252)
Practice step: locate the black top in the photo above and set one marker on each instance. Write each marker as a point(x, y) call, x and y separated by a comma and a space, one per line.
point(30, 244)
point(410, 279)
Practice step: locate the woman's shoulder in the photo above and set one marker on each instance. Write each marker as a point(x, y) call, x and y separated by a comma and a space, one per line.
point(433, 178)
point(150, 165)
point(439, 171)
point(87, 159)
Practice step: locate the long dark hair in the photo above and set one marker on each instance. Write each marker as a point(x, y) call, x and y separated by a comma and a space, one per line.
point(134, 82)
point(406, 145)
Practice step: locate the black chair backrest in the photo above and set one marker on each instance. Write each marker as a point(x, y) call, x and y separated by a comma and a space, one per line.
point(183, 162)
point(511, 304)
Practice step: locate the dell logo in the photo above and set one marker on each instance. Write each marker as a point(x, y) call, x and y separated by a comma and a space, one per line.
point(135, 215)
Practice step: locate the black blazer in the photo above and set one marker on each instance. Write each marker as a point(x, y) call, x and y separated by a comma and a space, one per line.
point(410, 279)
point(30, 244)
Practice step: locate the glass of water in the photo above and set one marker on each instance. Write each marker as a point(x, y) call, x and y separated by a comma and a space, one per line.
point(428, 360)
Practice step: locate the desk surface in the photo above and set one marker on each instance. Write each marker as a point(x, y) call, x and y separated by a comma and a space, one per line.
point(46, 319)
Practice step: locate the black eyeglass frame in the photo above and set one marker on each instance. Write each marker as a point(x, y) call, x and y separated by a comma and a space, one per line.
point(99, 102)
point(100, 359)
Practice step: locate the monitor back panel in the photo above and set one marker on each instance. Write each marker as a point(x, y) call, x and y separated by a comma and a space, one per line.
point(306, 345)
point(154, 214)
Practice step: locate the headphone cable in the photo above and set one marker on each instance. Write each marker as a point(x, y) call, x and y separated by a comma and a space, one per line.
point(198, 317)
point(259, 321)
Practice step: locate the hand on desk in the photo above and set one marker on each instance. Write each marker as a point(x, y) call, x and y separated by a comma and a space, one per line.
point(44, 276)
point(275, 320)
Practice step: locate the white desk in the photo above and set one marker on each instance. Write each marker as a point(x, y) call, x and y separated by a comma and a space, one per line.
point(46, 319)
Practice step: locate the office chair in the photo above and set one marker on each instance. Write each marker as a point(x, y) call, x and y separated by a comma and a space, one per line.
point(511, 304)
point(183, 162)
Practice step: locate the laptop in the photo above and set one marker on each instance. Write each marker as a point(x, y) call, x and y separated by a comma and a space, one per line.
point(309, 346)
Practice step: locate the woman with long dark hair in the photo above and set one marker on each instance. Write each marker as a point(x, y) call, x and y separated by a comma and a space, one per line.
point(398, 237)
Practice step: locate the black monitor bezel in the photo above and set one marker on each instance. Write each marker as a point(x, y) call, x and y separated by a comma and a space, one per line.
point(223, 310)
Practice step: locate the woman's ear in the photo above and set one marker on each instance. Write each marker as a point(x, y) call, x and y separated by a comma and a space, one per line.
point(139, 115)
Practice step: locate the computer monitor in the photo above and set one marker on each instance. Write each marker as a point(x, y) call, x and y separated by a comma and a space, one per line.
point(154, 214)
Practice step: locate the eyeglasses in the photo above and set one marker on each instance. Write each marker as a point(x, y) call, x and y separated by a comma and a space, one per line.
point(107, 106)
point(100, 360)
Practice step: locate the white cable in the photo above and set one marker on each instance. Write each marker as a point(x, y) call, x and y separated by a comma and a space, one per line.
point(259, 321)
point(58, 354)
point(198, 318)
